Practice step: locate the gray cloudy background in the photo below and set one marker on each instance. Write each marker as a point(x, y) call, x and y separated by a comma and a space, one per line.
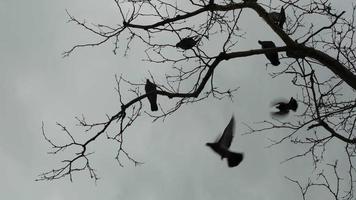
point(37, 84)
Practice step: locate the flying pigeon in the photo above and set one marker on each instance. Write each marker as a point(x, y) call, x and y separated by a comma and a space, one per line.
point(222, 145)
point(150, 89)
point(284, 107)
point(273, 56)
point(187, 43)
point(278, 18)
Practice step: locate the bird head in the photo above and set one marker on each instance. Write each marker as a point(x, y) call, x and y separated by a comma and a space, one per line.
point(209, 144)
point(178, 44)
point(214, 146)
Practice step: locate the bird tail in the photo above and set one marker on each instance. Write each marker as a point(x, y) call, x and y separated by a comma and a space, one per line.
point(275, 63)
point(154, 107)
point(234, 159)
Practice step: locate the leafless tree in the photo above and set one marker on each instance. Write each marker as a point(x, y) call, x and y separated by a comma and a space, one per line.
point(319, 58)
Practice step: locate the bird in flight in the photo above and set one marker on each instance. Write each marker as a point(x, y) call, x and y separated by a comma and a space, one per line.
point(222, 145)
point(187, 43)
point(272, 56)
point(151, 90)
point(285, 107)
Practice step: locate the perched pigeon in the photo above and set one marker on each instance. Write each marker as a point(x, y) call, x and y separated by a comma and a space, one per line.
point(187, 43)
point(278, 18)
point(152, 97)
point(222, 145)
point(284, 107)
point(273, 56)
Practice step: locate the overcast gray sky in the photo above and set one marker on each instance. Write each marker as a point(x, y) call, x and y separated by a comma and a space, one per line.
point(37, 84)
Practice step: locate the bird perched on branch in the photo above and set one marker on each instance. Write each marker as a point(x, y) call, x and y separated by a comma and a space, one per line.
point(278, 18)
point(222, 145)
point(285, 107)
point(272, 56)
point(187, 43)
point(151, 90)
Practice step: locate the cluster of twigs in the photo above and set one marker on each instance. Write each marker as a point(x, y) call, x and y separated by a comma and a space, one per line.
point(319, 58)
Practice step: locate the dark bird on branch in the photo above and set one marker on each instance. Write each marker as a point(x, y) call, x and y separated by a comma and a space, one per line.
point(271, 56)
point(151, 90)
point(222, 145)
point(285, 107)
point(187, 43)
point(278, 18)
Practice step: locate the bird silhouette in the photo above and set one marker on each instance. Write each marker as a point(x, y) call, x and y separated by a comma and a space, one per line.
point(222, 145)
point(271, 56)
point(278, 18)
point(285, 107)
point(151, 90)
point(187, 43)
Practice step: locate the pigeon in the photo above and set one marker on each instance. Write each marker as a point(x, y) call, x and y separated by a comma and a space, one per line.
point(274, 16)
point(273, 56)
point(222, 145)
point(278, 18)
point(284, 107)
point(151, 90)
point(187, 43)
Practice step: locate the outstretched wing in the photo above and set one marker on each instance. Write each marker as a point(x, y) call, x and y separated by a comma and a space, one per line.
point(277, 101)
point(226, 138)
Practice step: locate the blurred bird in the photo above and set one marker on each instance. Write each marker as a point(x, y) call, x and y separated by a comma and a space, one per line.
point(187, 43)
point(273, 56)
point(284, 107)
point(278, 18)
point(222, 145)
point(150, 89)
